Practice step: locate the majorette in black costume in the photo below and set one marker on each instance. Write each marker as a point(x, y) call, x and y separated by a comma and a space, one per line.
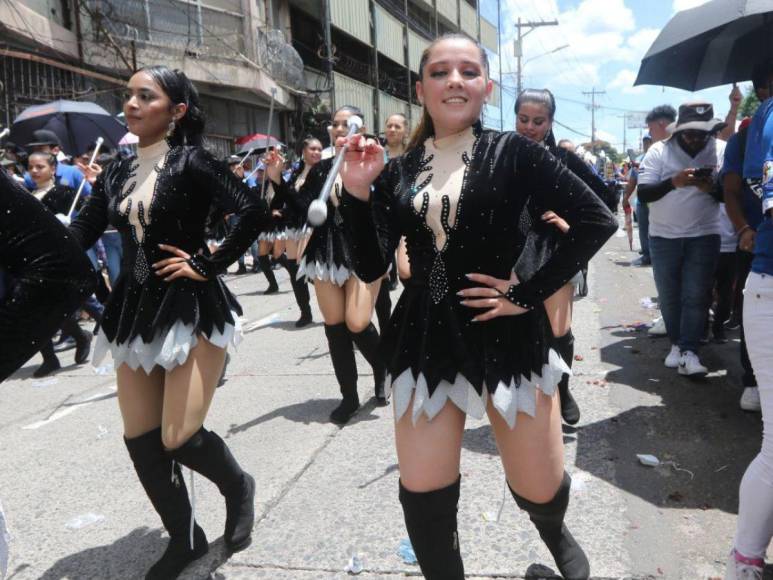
point(462, 222)
point(50, 274)
point(164, 196)
point(327, 256)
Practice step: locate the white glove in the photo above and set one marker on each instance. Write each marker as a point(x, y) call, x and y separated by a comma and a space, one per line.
point(63, 218)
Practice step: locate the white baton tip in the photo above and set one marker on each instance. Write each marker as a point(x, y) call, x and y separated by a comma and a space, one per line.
point(317, 212)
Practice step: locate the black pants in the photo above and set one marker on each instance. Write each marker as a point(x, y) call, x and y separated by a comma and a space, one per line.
point(744, 265)
point(724, 284)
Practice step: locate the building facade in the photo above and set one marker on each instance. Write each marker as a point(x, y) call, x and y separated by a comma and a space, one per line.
point(367, 52)
point(233, 50)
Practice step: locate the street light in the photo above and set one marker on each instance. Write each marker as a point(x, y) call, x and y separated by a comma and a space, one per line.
point(528, 60)
point(518, 55)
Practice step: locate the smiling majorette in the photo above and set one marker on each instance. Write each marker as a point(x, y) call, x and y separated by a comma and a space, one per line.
point(465, 337)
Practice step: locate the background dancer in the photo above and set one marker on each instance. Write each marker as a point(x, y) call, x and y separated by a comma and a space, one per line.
point(295, 235)
point(534, 113)
point(346, 301)
point(465, 337)
point(57, 199)
point(396, 138)
point(169, 319)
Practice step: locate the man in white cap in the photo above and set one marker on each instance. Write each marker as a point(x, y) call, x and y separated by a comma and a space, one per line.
point(678, 180)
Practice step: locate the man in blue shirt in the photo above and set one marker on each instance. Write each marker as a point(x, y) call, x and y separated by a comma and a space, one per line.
point(755, 510)
point(67, 175)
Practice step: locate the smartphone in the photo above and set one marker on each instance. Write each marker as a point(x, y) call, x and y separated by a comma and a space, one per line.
point(703, 172)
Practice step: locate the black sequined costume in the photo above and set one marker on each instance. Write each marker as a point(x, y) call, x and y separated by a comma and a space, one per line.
point(431, 345)
point(143, 309)
point(50, 275)
point(327, 256)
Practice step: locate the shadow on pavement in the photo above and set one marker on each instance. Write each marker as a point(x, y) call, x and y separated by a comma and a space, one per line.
point(697, 426)
point(307, 412)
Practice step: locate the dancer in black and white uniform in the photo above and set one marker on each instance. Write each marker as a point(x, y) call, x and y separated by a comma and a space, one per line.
point(170, 317)
point(465, 337)
point(346, 301)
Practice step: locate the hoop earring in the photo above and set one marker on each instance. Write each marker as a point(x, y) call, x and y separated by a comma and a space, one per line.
point(171, 129)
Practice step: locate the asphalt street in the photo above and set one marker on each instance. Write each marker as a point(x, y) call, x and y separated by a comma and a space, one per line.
point(326, 494)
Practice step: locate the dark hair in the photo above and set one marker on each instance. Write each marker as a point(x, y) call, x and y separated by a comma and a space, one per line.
point(398, 115)
point(665, 112)
point(308, 140)
point(49, 157)
point(349, 109)
point(426, 128)
point(180, 89)
point(541, 97)
point(761, 74)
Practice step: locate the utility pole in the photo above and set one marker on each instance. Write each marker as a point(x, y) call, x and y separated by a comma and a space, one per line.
point(593, 92)
point(519, 44)
point(624, 117)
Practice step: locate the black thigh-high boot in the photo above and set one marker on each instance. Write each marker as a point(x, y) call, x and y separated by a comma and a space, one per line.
point(301, 291)
point(570, 411)
point(339, 341)
point(265, 267)
point(549, 520)
point(430, 518)
point(206, 453)
point(164, 484)
point(367, 341)
point(383, 306)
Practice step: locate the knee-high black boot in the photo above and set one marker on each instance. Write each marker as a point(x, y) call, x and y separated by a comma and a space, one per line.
point(383, 306)
point(265, 267)
point(431, 521)
point(50, 361)
point(339, 341)
point(570, 411)
point(367, 341)
point(549, 520)
point(164, 484)
point(301, 291)
point(206, 453)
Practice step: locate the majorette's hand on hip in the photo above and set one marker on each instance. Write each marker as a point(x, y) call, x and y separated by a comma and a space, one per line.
point(362, 164)
point(177, 266)
point(490, 296)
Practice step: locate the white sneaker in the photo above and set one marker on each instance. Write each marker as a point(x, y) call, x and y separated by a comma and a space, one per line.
point(750, 399)
point(690, 365)
point(673, 358)
point(658, 328)
point(746, 570)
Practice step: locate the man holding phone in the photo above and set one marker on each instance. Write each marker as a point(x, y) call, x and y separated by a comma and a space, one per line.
point(677, 178)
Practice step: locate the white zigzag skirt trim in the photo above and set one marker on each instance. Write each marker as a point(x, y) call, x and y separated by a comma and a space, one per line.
point(285, 234)
point(168, 351)
point(338, 275)
point(509, 400)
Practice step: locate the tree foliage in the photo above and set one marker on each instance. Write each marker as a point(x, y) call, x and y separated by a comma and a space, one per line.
point(749, 103)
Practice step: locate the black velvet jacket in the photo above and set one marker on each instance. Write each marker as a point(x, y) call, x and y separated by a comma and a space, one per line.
point(430, 332)
point(51, 274)
point(189, 185)
point(327, 244)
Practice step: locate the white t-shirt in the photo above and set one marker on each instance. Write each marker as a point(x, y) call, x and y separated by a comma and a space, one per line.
point(686, 212)
point(729, 239)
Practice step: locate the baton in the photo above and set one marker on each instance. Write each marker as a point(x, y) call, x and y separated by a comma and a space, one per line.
point(100, 140)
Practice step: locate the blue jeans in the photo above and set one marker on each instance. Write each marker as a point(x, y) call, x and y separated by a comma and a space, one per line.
point(643, 217)
point(684, 273)
point(114, 254)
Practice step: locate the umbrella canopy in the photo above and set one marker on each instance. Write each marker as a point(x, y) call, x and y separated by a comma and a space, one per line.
point(714, 44)
point(77, 124)
point(257, 142)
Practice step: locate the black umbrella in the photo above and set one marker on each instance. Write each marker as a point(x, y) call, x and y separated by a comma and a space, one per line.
point(714, 44)
point(77, 124)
